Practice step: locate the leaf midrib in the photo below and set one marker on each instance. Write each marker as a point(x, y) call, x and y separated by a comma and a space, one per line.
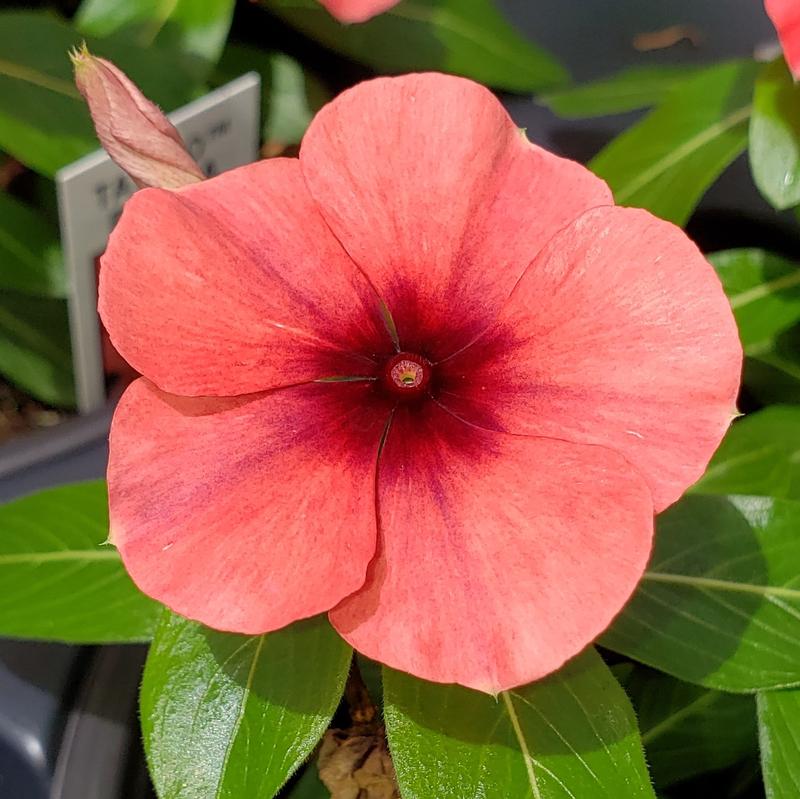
point(33, 558)
point(683, 151)
point(163, 11)
point(715, 470)
point(765, 289)
point(523, 744)
point(666, 724)
point(696, 581)
point(777, 361)
point(446, 19)
point(246, 690)
point(37, 78)
point(30, 335)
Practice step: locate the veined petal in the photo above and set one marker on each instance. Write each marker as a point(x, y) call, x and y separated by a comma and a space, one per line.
point(248, 513)
point(438, 196)
point(357, 10)
point(236, 285)
point(618, 334)
point(785, 16)
point(499, 557)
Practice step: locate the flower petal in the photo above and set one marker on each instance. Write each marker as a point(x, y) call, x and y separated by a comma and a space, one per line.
point(499, 557)
point(439, 197)
point(246, 513)
point(236, 285)
point(619, 334)
point(357, 10)
point(785, 16)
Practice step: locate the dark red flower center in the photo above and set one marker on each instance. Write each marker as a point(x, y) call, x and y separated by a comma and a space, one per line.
point(407, 375)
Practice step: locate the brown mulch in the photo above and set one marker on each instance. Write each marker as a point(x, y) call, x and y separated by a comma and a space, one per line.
point(354, 763)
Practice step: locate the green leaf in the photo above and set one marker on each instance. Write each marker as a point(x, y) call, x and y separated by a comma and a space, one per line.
point(779, 736)
point(464, 37)
point(628, 90)
point(372, 675)
point(764, 290)
point(59, 581)
point(720, 602)
point(43, 121)
point(775, 136)
point(759, 455)
point(35, 348)
point(687, 729)
point(187, 26)
point(294, 97)
point(30, 257)
point(772, 373)
point(231, 716)
point(572, 734)
point(666, 162)
point(291, 95)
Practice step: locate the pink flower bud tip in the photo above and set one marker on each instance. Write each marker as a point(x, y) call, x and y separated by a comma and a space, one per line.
point(133, 131)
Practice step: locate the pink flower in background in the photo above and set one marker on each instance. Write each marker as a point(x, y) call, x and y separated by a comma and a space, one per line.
point(426, 377)
point(785, 15)
point(357, 10)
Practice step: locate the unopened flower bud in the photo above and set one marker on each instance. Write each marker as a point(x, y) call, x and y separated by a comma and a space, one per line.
point(133, 131)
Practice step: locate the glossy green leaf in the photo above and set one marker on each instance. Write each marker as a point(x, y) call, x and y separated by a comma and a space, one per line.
point(636, 87)
point(759, 455)
point(779, 737)
point(775, 136)
point(666, 162)
point(30, 257)
point(35, 348)
point(570, 735)
point(719, 604)
point(43, 121)
point(464, 37)
point(198, 28)
point(232, 716)
point(687, 729)
point(764, 290)
point(60, 581)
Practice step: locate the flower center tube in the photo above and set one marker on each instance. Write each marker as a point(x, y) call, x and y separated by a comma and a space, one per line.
point(407, 375)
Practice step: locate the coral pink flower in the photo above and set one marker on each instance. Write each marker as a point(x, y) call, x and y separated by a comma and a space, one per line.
point(785, 16)
point(357, 10)
point(425, 377)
